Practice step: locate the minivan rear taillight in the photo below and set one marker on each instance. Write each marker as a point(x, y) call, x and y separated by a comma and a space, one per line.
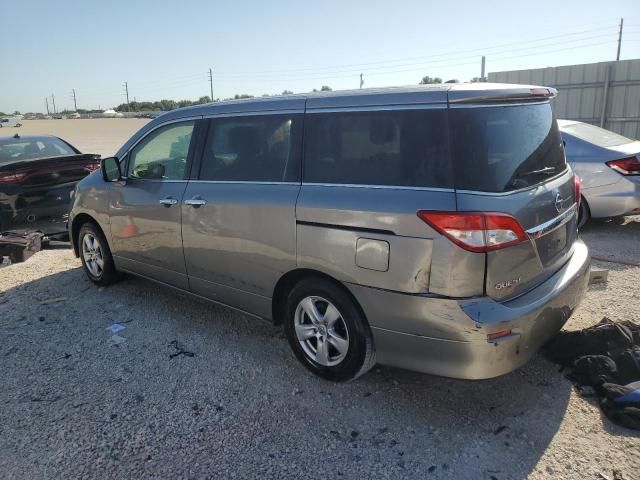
point(476, 232)
point(577, 190)
point(626, 166)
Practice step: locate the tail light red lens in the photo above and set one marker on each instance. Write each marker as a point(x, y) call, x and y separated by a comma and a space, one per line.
point(476, 232)
point(12, 178)
point(626, 166)
point(539, 92)
point(578, 189)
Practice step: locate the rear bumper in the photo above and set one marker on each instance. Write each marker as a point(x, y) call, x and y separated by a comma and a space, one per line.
point(449, 337)
point(44, 209)
point(614, 200)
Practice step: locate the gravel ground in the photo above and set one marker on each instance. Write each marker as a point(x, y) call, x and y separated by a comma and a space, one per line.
point(80, 402)
point(97, 135)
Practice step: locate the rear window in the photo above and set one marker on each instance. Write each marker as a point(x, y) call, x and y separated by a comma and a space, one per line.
point(596, 135)
point(504, 148)
point(18, 150)
point(395, 148)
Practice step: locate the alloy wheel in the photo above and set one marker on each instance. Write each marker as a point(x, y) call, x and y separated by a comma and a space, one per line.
point(321, 331)
point(92, 255)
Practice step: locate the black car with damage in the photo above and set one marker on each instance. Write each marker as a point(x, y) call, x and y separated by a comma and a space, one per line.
point(37, 175)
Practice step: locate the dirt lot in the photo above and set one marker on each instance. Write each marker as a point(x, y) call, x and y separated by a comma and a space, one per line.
point(87, 135)
point(79, 402)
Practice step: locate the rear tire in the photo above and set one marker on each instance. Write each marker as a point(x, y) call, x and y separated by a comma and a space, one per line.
point(95, 255)
point(327, 331)
point(583, 214)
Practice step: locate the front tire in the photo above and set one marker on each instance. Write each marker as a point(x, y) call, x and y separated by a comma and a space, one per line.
point(95, 255)
point(327, 331)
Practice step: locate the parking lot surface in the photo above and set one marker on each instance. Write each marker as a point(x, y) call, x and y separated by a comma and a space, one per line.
point(79, 401)
point(97, 135)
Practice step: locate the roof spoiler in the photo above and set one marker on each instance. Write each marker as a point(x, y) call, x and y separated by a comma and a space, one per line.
point(530, 94)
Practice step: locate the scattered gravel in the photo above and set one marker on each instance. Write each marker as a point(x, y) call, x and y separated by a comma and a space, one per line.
point(80, 401)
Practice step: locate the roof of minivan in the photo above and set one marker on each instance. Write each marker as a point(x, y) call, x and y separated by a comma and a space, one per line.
point(412, 94)
point(367, 97)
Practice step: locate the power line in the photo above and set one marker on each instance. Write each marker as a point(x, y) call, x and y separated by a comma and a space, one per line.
point(553, 51)
point(447, 54)
point(442, 62)
point(424, 66)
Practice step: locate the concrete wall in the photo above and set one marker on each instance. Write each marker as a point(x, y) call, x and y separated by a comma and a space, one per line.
point(605, 94)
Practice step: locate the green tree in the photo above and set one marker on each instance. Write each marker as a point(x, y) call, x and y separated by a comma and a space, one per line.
point(286, 92)
point(427, 80)
point(16, 112)
point(326, 88)
point(477, 80)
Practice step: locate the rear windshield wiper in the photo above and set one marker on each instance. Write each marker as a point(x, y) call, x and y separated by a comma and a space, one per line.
point(517, 179)
point(542, 171)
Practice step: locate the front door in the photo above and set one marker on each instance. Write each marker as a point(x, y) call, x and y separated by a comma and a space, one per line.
point(239, 226)
point(145, 210)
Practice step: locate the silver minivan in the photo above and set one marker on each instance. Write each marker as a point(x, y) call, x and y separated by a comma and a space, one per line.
point(431, 228)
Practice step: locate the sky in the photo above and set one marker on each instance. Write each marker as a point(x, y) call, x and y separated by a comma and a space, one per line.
point(165, 49)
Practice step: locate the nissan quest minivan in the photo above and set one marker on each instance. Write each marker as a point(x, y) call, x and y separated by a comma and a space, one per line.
point(431, 228)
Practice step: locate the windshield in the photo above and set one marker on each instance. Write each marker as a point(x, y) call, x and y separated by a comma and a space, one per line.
point(19, 149)
point(504, 148)
point(596, 135)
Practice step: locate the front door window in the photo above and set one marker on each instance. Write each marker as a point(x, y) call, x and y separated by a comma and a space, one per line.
point(162, 155)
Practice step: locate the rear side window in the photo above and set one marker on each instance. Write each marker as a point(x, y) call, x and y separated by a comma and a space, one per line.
point(256, 149)
point(396, 148)
point(504, 148)
point(22, 150)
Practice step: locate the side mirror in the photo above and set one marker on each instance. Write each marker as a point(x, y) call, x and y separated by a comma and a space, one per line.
point(110, 167)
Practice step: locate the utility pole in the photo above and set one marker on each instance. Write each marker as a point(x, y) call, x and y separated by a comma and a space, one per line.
point(482, 70)
point(46, 103)
point(53, 100)
point(619, 39)
point(211, 83)
point(126, 92)
point(361, 80)
point(75, 105)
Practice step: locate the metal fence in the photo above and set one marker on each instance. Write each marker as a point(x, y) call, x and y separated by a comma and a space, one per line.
point(605, 94)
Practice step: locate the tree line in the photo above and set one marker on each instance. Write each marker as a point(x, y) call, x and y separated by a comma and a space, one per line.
point(166, 105)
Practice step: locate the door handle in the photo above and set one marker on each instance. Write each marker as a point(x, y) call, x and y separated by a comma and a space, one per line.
point(195, 202)
point(167, 201)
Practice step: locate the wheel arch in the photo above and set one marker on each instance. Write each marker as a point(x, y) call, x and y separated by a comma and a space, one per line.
point(289, 279)
point(76, 224)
